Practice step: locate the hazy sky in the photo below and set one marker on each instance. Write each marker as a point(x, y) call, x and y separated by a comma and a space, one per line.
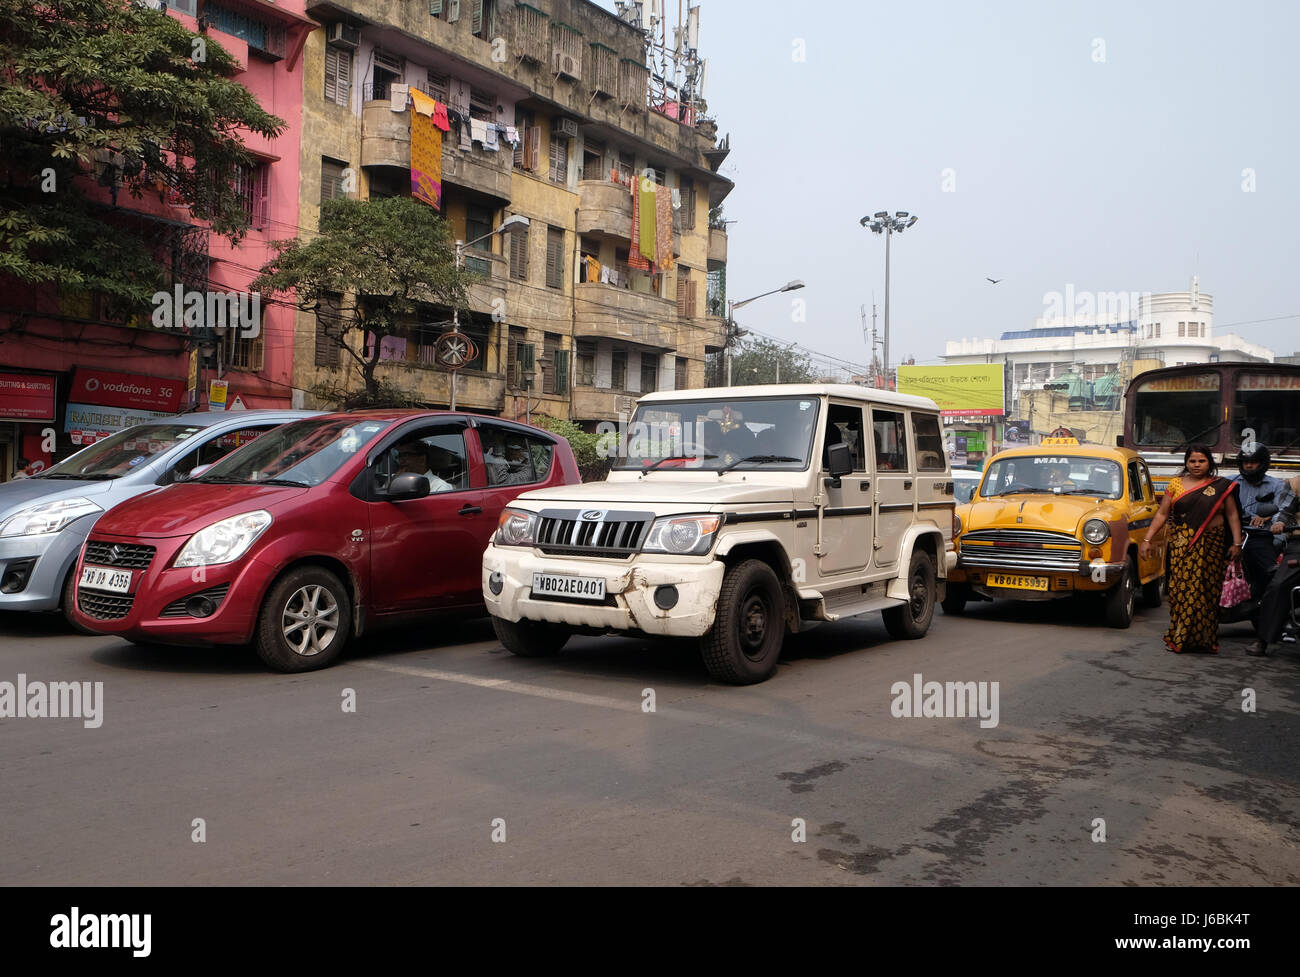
point(1122, 174)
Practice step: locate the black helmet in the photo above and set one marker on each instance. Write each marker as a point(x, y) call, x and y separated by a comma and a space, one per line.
point(1257, 452)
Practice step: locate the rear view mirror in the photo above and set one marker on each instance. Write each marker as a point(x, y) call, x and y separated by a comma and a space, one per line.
point(407, 486)
point(839, 460)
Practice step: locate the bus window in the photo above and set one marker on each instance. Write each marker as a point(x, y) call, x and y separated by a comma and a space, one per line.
point(1177, 409)
point(1269, 405)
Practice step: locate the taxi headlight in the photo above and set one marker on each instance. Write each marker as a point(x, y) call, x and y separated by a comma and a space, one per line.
point(682, 535)
point(1096, 531)
point(517, 527)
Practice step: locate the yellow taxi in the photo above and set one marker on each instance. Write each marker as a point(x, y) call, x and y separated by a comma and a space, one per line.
point(1058, 519)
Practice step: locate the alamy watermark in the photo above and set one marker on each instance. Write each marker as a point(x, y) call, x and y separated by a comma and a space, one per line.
point(53, 700)
point(1101, 307)
point(945, 700)
point(192, 309)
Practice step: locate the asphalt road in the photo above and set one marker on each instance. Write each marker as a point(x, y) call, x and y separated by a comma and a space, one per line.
point(451, 733)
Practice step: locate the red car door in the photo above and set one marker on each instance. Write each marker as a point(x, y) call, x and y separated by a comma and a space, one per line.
point(425, 553)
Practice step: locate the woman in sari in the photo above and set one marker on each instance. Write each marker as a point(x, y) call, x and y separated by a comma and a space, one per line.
point(1202, 519)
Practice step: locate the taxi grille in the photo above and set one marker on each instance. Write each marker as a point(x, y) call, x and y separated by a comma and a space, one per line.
point(104, 607)
point(1020, 549)
point(616, 534)
point(132, 556)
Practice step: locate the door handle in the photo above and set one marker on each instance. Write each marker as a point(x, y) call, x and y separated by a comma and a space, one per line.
point(907, 484)
point(864, 486)
point(469, 510)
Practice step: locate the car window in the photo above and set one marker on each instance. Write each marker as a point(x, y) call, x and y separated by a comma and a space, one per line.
point(844, 426)
point(929, 443)
point(211, 451)
point(1146, 482)
point(437, 453)
point(509, 456)
point(1134, 482)
point(123, 452)
point(891, 441)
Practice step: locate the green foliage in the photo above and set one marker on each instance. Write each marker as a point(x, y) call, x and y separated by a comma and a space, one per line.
point(587, 448)
point(392, 256)
point(112, 91)
point(755, 361)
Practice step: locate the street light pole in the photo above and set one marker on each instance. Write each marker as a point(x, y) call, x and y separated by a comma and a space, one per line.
point(882, 223)
point(455, 318)
point(731, 321)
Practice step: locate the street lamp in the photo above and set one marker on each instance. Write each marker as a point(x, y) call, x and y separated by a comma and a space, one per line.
point(882, 223)
point(513, 223)
point(733, 332)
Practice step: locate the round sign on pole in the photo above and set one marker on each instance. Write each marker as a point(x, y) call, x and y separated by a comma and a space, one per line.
point(455, 351)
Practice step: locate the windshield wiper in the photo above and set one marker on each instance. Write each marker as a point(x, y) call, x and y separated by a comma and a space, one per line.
point(219, 480)
point(674, 458)
point(758, 459)
point(279, 481)
point(1200, 434)
point(93, 477)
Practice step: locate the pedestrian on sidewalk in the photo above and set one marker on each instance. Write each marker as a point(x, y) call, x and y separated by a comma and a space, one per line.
point(1204, 534)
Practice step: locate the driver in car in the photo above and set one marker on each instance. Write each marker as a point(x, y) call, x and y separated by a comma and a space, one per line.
point(1058, 476)
point(412, 460)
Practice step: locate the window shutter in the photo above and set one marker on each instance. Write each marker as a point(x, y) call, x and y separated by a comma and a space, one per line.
point(688, 207)
point(435, 7)
point(476, 17)
point(690, 298)
point(682, 283)
point(519, 255)
point(261, 194)
point(453, 11)
point(327, 348)
point(561, 371)
point(331, 74)
point(559, 159)
point(519, 153)
point(554, 258)
point(534, 148)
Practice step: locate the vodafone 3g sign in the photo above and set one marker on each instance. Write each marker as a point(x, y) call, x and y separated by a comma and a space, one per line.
point(108, 389)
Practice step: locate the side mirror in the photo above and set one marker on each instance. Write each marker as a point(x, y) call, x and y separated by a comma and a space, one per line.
point(407, 486)
point(196, 472)
point(839, 460)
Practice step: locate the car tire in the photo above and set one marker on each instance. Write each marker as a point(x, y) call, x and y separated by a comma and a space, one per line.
point(531, 639)
point(305, 621)
point(744, 645)
point(68, 601)
point(1121, 600)
point(1153, 593)
point(912, 619)
point(954, 602)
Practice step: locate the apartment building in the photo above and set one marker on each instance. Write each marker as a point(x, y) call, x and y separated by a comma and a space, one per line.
point(551, 116)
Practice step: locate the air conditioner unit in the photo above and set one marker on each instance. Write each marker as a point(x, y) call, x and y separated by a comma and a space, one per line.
point(344, 36)
point(563, 63)
point(565, 127)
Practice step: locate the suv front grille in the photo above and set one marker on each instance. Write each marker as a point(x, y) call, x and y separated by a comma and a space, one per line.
point(132, 556)
point(615, 534)
point(1020, 549)
point(104, 607)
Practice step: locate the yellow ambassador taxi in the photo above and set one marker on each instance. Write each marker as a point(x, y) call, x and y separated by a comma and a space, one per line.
point(1058, 519)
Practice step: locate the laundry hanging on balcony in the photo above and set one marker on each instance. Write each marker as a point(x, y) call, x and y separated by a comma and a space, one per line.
point(427, 105)
point(426, 152)
point(663, 228)
point(635, 259)
point(397, 97)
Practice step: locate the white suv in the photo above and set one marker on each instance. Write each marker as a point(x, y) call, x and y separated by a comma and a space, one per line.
point(736, 515)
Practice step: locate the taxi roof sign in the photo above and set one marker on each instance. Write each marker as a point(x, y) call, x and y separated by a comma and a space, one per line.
point(1061, 441)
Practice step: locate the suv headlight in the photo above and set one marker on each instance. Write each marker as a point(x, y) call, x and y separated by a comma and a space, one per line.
point(48, 517)
point(224, 541)
point(1096, 531)
point(517, 527)
point(682, 535)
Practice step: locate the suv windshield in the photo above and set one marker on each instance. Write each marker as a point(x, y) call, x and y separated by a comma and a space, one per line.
point(123, 452)
point(306, 452)
point(1049, 474)
point(774, 433)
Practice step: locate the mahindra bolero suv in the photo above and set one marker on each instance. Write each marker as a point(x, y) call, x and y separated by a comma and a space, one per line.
point(735, 516)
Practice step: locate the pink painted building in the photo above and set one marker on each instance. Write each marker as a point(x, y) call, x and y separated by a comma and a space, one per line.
point(58, 351)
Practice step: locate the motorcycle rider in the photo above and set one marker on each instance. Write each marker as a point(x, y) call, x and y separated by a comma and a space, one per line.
point(1262, 498)
point(1275, 607)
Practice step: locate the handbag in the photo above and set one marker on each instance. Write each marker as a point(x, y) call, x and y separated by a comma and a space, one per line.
point(1235, 587)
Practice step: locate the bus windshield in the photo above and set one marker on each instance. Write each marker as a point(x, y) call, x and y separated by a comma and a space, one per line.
point(1266, 408)
point(1174, 410)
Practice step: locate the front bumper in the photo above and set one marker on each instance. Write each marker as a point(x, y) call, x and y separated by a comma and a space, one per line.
point(629, 588)
point(46, 560)
point(161, 586)
point(1087, 575)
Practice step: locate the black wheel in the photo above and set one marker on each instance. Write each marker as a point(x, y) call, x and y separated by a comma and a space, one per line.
point(305, 621)
point(69, 599)
point(1121, 600)
point(1153, 592)
point(912, 619)
point(530, 639)
point(744, 644)
point(956, 599)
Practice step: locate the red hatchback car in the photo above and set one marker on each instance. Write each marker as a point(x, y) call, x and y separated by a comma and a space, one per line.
point(315, 532)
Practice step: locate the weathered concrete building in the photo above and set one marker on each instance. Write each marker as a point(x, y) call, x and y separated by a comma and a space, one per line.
point(566, 322)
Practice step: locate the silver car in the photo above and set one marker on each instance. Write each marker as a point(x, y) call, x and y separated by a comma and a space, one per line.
point(45, 519)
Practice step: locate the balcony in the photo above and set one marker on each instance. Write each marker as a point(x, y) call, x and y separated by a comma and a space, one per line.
point(717, 247)
point(605, 207)
point(611, 312)
point(386, 141)
point(432, 385)
point(594, 403)
point(484, 295)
